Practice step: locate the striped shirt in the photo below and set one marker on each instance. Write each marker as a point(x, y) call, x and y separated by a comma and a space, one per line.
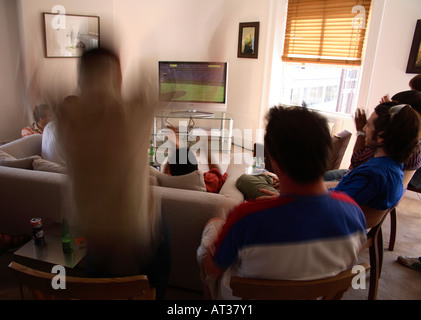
point(363, 155)
point(29, 130)
point(294, 238)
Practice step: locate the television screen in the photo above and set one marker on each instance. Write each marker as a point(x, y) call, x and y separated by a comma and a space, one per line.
point(192, 84)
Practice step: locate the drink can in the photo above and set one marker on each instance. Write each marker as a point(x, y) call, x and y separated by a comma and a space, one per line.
point(37, 231)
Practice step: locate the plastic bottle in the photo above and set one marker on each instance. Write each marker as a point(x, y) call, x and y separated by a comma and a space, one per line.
point(66, 239)
point(151, 154)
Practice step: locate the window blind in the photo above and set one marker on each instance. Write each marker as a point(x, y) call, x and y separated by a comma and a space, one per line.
point(326, 31)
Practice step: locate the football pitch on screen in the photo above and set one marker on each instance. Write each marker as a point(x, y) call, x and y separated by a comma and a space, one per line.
point(194, 92)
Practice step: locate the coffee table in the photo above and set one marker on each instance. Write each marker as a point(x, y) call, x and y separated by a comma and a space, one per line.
point(44, 256)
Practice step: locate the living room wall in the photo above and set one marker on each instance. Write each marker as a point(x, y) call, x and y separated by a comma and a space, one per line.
point(55, 76)
point(148, 31)
point(12, 118)
point(389, 44)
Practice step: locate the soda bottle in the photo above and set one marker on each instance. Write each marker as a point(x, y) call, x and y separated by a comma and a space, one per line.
point(66, 239)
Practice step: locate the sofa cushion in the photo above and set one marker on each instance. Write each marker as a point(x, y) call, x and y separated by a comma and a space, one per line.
point(191, 181)
point(24, 147)
point(7, 160)
point(45, 165)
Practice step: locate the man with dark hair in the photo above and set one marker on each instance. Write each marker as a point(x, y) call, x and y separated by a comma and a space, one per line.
point(415, 83)
point(290, 236)
point(392, 131)
point(362, 153)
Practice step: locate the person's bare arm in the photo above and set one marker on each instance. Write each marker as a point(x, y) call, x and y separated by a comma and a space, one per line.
point(360, 122)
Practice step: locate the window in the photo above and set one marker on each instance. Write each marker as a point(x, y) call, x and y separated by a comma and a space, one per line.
point(323, 46)
point(324, 88)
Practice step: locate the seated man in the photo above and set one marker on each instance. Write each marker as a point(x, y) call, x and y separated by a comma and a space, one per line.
point(183, 161)
point(363, 153)
point(304, 233)
point(392, 131)
point(42, 116)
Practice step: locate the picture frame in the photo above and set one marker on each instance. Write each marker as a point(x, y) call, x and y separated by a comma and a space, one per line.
point(248, 40)
point(414, 61)
point(69, 35)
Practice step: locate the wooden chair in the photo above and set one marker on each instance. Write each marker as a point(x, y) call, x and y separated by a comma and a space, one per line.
point(407, 176)
point(40, 284)
point(332, 288)
point(340, 142)
point(375, 219)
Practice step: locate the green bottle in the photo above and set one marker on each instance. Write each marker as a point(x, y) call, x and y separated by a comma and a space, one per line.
point(66, 239)
point(151, 154)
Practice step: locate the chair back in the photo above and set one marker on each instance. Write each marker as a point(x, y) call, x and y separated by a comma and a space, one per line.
point(373, 217)
point(332, 288)
point(40, 285)
point(340, 142)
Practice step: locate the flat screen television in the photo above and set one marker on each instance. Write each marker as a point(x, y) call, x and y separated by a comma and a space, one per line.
point(193, 87)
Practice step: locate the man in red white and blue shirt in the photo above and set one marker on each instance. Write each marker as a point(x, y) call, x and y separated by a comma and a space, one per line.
point(304, 233)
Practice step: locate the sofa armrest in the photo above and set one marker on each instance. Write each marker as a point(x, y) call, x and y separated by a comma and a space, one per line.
point(229, 190)
point(26, 194)
point(24, 147)
point(186, 213)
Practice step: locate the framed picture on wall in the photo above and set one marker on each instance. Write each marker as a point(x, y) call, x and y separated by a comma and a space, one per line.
point(414, 61)
point(69, 35)
point(248, 40)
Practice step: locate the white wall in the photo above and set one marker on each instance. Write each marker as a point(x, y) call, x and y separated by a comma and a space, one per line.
point(12, 120)
point(55, 75)
point(147, 31)
point(390, 39)
point(27, 76)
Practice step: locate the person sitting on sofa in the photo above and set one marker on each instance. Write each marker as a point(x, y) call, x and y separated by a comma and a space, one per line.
point(183, 161)
point(304, 233)
point(42, 116)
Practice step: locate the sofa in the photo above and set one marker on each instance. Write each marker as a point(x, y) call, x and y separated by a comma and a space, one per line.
point(26, 192)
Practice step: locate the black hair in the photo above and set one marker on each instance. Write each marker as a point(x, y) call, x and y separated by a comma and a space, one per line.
point(411, 97)
point(97, 63)
point(182, 161)
point(299, 141)
point(415, 82)
point(400, 130)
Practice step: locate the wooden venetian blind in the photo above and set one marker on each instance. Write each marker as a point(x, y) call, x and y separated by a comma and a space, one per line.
point(326, 31)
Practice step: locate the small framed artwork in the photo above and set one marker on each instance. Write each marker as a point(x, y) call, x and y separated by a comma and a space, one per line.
point(69, 35)
point(414, 61)
point(248, 40)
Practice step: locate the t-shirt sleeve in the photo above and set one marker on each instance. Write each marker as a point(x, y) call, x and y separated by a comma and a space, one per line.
point(359, 186)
